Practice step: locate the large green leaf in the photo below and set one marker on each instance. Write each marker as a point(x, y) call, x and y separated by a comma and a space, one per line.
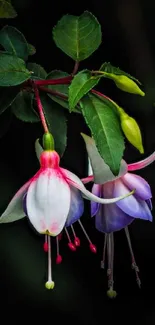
point(22, 107)
point(6, 9)
point(80, 86)
point(7, 96)
point(105, 129)
point(14, 42)
point(12, 70)
point(38, 72)
point(109, 68)
point(78, 36)
point(56, 121)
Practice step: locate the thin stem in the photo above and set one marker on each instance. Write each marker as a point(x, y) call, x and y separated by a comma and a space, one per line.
point(40, 109)
point(76, 67)
point(102, 95)
point(53, 92)
point(59, 81)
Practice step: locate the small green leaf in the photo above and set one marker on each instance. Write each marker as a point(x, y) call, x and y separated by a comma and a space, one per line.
point(6, 9)
point(100, 170)
point(107, 67)
point(22, 107)
point(105, 129)
point(7, 96)
point(56, 121)
point(5, 122)
point(14, 42)
point(80, 86)
point(78, 36)
point(38, 72)
point(32, 49)
point(12, 70)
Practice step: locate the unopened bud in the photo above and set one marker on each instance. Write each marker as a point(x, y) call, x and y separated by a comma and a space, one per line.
point(125, 84)
point(131, 130)
point(48, 141)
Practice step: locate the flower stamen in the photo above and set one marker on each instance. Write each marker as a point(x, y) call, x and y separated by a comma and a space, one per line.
point(70, 244)
point(76, 239)
point(59, 257)
point(133, 261)
point(104, 252)
point(45, 246)
point(91, 245)
point(111, 293)
point(50, 283)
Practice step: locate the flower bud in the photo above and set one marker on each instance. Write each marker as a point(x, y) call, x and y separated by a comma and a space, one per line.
point(131, 130)
point(48, 141)
point(126, 84)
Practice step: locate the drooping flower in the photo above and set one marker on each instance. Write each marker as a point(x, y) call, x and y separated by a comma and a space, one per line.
point(117, 216)
point(52, 197)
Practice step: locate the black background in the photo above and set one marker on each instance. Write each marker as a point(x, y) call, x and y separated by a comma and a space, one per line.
point(79, 296)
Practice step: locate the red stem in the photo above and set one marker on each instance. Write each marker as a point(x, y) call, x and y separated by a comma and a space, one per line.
point(100, 94)
point(76, 66)
point(53, 92)
point(60, 81)
point(40, 109)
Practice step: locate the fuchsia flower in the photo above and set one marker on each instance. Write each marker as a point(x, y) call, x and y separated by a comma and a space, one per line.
point(117, 216)
point(51, 199)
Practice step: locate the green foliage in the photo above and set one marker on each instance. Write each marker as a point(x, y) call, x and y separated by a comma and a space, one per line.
point(12, 70)
point(22, 107)
point(78, 36)
point(105, 129)
point(6, 9)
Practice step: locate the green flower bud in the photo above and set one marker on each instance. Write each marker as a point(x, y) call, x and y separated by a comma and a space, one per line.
point(125, 84)
point(48, 141)
point(131, 130)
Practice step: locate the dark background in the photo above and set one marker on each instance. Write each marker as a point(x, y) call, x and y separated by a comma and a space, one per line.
point(79, 296)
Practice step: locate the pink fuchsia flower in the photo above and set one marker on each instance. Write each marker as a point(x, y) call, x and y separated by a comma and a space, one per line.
point(117, 216)
point(52, 197)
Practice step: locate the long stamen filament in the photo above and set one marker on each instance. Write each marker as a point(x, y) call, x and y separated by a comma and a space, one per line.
point(110, 252)
point(50, 283)
point(70, 244)
point(104, 252)
point(134, 265)
point(59, 257)
point(76, 239)
point(91, 245)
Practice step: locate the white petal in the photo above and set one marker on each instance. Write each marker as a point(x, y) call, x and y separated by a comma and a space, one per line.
point(48, 202)
point(14, 210)
point(76, 182)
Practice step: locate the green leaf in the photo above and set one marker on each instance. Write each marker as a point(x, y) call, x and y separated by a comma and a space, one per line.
point(105, 129)
point(7, 96)
point(32, 49)
point(80, 86)
point(101, 171)
point(78, 36)
point(6, 9)
point(22, 107)
point(12, 70)
point(38, 71)
point(5, 122)
point(56, 121)
point(107, 67)
point(14, 42)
